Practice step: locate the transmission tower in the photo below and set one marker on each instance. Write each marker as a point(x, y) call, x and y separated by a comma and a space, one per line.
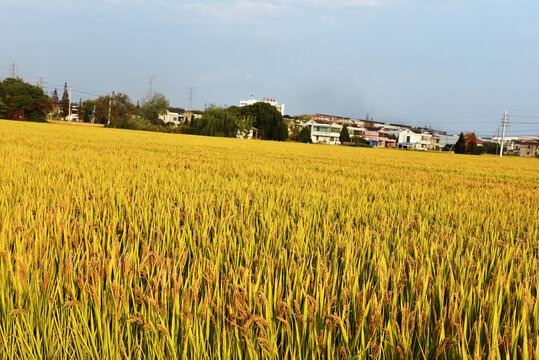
point(13, 70)
point(150, 86)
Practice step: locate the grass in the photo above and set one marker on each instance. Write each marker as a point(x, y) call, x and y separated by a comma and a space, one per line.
point(124, 244)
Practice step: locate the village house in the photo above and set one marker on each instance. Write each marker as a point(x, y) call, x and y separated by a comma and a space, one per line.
point(409, 139)
point(378, 137)
point(418, 140)
point(324, 132)
point(529, 148)
point(173, 116)
point(191, 115)
point(329, 133)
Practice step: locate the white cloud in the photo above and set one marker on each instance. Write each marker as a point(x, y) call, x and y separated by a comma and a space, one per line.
point(253, 11)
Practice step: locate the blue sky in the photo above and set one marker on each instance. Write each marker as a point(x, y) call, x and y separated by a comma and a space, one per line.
point(453, 65)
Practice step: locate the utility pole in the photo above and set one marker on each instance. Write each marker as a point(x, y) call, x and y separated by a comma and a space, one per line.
point(191, 97)
point(503, 132)
point(110, 104)
point(497, 139)
point(69, 116)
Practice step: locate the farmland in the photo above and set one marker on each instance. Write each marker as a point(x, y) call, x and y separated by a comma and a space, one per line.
point(123, 244)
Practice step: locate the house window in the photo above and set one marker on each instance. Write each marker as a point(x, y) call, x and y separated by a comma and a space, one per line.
point(321, 129)
point(408, 139)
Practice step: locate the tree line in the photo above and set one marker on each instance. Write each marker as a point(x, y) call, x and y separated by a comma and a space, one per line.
point(22, 101)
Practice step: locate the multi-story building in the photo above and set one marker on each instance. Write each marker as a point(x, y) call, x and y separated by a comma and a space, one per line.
point(324, 133)
point(409, 139)
point(272, 102)
point(418, 140)
point(329, 133)
point(529, 148)
point(378, 137)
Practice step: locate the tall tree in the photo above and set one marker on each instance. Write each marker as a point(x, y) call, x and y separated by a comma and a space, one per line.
point(218, 121)
point(268, 120)
point(22, 101)
point(344, 136)
point(122, 110)
point(471, 143)
point(88, 109)
point(305, 135)
point(154, 107)
point(54, 98)
point(460, 146)
point(64, 103)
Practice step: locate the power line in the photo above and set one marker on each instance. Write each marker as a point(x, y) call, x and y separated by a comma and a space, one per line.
point(526, 116)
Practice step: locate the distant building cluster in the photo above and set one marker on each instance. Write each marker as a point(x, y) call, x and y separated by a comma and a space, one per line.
point(326, 129)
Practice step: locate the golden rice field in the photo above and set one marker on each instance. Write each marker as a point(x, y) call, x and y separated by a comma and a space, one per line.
point(124, 244)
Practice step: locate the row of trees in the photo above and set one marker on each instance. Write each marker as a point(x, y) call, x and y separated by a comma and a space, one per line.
point(123, 113)
point(469, 144)
point(22, 101)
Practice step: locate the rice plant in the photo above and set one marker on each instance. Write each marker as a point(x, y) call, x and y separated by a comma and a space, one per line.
point(121, 244)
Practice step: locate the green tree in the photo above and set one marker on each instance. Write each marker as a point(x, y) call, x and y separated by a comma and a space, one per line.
point(243, 123)
point(359, 141)
point(88, 108)
point(64, 103)
point(219, 121)
point(294, 129)
point(151, 110)
point(305, 135)
point(121, 114)
point(344, 137)
point(491, 148)
point(305, 117)
point(22, 101)
point(268, 120)
point(3, 109)
point(460, 146)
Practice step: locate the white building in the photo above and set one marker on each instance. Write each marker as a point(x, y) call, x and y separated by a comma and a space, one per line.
point(323, 133)
point(409, 139)
point(511, 143)
point(173, 116)
point(272, 102)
